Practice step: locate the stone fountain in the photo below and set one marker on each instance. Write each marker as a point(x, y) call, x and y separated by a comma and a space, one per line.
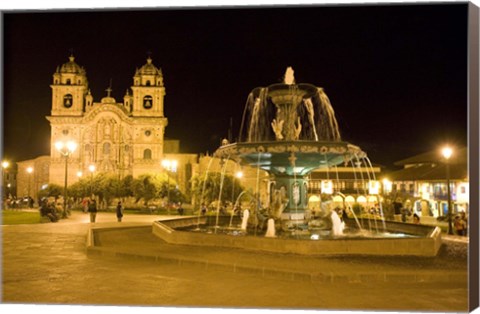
point(289, 130)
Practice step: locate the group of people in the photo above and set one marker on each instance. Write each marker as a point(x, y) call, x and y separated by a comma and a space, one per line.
point(49, 210)
point(11, 202)
point(91, 207)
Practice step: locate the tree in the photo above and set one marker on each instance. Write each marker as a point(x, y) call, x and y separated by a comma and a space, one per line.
point(106, 187)
point(79, 189)
point(52, 190)
point(145, 187)
point(126, 187)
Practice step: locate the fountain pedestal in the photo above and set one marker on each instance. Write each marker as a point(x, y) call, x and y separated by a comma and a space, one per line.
point(288, 197)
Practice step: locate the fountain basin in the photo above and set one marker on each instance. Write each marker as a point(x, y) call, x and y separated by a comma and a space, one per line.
point(422, 240)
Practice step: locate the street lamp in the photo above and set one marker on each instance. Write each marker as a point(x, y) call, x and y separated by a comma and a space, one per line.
point(447, 153)
point(170, 166)
point(29, 171)
point(5, 165)
point(65, 149)
point(91, 168)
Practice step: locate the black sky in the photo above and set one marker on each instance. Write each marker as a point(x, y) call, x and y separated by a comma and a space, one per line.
point(396, 74)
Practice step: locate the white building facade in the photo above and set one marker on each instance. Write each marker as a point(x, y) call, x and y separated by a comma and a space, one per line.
point(124, 138)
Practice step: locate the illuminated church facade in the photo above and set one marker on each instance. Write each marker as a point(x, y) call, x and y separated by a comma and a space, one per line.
point(125, 138)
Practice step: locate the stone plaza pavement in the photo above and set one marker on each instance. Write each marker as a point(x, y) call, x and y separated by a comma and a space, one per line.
point(52, 263)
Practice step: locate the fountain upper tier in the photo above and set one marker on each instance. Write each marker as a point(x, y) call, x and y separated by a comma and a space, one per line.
point(288, 112)
point(290, 157)
point(289, 128)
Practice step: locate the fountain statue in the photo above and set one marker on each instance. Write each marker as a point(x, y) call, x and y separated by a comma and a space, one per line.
point(270, 228)
point(246, 215)
point(337, 224)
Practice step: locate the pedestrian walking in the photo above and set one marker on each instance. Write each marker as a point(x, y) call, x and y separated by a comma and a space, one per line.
point(119, 211)
point(85, 205)
point(92, 209)
point(180, 209)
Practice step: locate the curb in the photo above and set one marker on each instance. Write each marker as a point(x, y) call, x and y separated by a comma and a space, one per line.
point(458, 278)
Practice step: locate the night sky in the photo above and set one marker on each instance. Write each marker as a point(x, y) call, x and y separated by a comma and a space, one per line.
point(396, 75)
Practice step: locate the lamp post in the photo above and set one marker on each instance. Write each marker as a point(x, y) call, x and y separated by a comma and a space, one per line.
point(5, 165)
point(447, 153)
point(29, 171)
point(91, 168)
point(170, 166)
point(65, 149)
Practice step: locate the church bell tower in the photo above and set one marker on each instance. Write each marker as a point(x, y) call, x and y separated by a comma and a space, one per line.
point(69, 89)
point(148, 91)
point(148, 94)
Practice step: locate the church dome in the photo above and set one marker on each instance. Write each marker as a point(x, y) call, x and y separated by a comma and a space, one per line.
point(108, 100)
point(71, 67)
point(149, 69)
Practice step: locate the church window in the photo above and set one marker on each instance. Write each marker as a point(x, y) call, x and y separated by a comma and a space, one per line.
point(68, 82)
point(67, 100)
point(106, 148)
point(56, 81)
point(148, 133)
point(148, 83)
point(147, 102)
point(147, 154)
point(79, 82)
point(65, 132)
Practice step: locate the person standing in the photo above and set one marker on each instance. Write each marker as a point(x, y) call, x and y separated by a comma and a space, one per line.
point(460, 225)
point(464, 220)
point(416, 219)
point(85, 203)
point(31, 202)
point(92, 209)
point(180, 209)
point(119, 211)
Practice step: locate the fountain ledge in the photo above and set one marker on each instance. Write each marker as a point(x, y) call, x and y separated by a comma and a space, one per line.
point(287, 147)
point(427, 244)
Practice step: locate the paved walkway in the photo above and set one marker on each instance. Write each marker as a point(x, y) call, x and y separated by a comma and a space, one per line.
point(48, 264)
